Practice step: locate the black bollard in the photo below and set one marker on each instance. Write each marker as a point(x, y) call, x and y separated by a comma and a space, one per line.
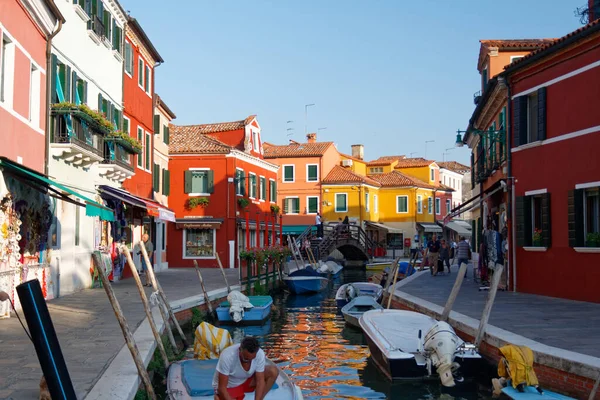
point(45, 341)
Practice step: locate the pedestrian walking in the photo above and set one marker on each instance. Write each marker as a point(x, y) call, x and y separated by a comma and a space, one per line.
point(433, 254)
point(319, 224)
point(463, 252)
point(150, 250)
point(444, 256)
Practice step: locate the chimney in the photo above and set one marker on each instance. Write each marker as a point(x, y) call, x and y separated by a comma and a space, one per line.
point(311, 138)
point(593, 10)
point(358, 151)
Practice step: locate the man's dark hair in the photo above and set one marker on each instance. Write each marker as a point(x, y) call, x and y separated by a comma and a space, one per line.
point(250, 344)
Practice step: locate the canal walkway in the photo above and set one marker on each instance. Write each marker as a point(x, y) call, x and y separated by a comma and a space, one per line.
point(88, 331)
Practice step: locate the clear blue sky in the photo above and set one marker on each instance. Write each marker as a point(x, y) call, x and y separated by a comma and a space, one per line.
point(388, 74)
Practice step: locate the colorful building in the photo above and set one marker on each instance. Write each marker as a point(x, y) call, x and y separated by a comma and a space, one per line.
point(554, 139)
point(302, 167)
point(223, 192)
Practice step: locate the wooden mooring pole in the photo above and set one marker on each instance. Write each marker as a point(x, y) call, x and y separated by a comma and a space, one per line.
point(206, 298)
point(135, 353)
point(223, 272)
point(454, 293)
point(391, 294)
point(488, 305)
point(146, 304)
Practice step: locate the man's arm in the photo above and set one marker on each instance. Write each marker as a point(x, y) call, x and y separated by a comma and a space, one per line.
point(222, 388)
point(260, 385)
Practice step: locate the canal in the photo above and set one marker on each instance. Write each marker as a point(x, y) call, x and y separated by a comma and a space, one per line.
point(308, 338)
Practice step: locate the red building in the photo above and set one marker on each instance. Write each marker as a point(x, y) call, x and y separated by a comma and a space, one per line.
point(554, 140)
point(25, 27)
point(219, 178)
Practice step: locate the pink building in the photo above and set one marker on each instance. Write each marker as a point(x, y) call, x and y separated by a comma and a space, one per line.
point(26, 27)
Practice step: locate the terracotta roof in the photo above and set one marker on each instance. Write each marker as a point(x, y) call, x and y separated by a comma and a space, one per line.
point(510, 45)
point(398, 179)
point(445, 188)
point(454, 166)
point(217, 127)
point(413, 163)
point(184, 139)
point(342, 175)
point(352, 158)
point(555, 44)
point(295, 149)
point(376, 163)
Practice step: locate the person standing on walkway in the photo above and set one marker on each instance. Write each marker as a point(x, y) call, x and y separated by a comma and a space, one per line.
point(319, 223)
point(463, 252)
point(150, 250)
point(433, 254)
point(444, 255)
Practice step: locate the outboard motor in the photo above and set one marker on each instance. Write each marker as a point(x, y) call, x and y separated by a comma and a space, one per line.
point(441, 342)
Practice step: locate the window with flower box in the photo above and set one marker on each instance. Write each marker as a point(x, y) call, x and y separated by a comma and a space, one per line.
point(533, 219)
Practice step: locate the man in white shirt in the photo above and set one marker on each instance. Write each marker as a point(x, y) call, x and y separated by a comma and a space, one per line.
point(319, 224)
point(241, 369)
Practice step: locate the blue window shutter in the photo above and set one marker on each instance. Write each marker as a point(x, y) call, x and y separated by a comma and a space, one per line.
point(67, 87)
point(53, 79)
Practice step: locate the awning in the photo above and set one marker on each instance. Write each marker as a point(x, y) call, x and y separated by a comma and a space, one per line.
point(460, 227)
point(153, 208)
point(473, 202)
point(379, 225)
point(92, 208)
point(198, 223)
point(427, 227)
point(294, 229)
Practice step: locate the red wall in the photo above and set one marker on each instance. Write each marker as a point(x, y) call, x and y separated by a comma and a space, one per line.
point(572, 105)
point(18, 138)
point(223, 204)
point(139, 108)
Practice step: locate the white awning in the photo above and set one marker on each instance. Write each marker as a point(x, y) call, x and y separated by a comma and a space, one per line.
point(460, 227)
point(386, 227)
point(428, 227)
point(166, 215)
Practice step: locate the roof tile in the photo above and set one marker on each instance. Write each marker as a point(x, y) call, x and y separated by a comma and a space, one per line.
point(185, 139)
point(343, 175)
point(398, 179)
point(295, 149)
point(413, 163)
point(454, 166)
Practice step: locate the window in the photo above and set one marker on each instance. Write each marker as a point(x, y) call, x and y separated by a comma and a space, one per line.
point(584, 215)
point(532, 117)
point(312, 204)
point(438, 206)
point(263, 188)
point(513, 58)
point(312, 173)
point(591, 211)
point(34, 95)
point(272, 191)
point(376, 170)
point(367, 201)
point(341, 202)
point(484, 78)
point(420, 204)
point(430, 205)
point(166, 134)
point(448, 206)
point(533, 219)
point(255, 141)
point(147, 79)
point(291, 205)
point(126, 125)
point(117, 37)
point(252, 185)
point(141, 72)
point(375, 204)
point(140, 156)
point(128, 59)
point(7, 60)
point(199, 182)
point(401, 204)
point(432, 174)
point(147, 150)
point(199, 243)
point(77, 225)
point(240, 182)
point(288, 173)
point(107, 21)
point(166, 182)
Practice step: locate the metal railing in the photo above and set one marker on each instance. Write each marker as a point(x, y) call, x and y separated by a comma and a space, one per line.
point(118, 156)
point(81, 135)
point(96, 25)
point(490, 154)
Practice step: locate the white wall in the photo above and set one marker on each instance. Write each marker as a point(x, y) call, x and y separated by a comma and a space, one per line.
point(455, 181)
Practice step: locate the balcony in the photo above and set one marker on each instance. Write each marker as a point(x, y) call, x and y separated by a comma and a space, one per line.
point(96, 29)
point(117, 163)
point(477, 97)
point(490, 157)
point(74, 140)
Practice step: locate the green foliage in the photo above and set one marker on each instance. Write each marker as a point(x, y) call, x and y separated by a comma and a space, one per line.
point(194, 202)
point(243, 202)
point(130, 142)
point(259, 289)
point(593, 240)
point(275, 208)
point(197, 318)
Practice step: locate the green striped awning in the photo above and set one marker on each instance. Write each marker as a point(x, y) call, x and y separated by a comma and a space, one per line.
point(294, 229)
point(92, 208)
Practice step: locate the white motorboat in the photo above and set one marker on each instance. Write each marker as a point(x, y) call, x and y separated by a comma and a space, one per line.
point(406, 344)
point(357, 307)
point(349, 291)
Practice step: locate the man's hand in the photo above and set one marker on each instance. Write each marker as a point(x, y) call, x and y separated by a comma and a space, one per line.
point(259, 377)
point(222, 388)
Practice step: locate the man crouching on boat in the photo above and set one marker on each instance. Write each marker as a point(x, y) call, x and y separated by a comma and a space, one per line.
point(241, 369)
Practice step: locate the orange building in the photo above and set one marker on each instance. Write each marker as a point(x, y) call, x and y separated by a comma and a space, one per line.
point(223, 192)
point(302, 169)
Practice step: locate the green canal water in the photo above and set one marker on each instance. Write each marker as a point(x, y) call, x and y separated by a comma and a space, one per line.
point(308, 338)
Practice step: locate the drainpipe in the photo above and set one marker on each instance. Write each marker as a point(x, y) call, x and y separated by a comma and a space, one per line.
point(49, 94)
point(511, 198)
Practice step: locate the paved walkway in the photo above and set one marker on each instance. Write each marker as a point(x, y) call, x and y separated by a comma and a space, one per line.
point(566, 324)
point(88, 331)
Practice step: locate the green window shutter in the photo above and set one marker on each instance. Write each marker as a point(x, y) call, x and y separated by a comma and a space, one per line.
point(484, 79)
point(163, 177)
point(288, 172)
point(575, 218)
point(312, 173)
point(147, 79)
point(155, 182)
point(148, 150)
point(297, 206)
point(541, 97)
point(546, 225)
point(523, 221)
point(157, 124)
point(274, 191)
point(211, 181)
point(53, 70)
point(125, 125)
point(74, 92)
point(167, 182)
point(187, 181)
point(166, 135)
point(128, 58)
point(100, 102)
point(516, 139)
point(85, 92)
point(285, 206)
point(113, 39)
point(67, 84)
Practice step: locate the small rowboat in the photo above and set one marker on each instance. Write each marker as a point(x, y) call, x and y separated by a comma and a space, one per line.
point(344, 295)
point(258, 313)
point(357, 307)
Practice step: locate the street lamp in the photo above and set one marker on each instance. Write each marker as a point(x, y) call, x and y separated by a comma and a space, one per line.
point(306, 117)
point(479, 132)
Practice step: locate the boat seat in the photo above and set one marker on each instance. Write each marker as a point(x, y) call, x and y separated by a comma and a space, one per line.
point(198, 376)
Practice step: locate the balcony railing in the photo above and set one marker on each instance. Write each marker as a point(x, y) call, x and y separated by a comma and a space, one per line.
point(114, 153)
point(81, 134)
point(490, 154)
point(96, 25)
point(477, 97)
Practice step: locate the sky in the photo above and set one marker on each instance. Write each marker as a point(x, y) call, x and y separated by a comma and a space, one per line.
point(390, 74)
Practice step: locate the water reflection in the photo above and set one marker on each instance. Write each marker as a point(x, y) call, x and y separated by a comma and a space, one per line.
point(327, 359)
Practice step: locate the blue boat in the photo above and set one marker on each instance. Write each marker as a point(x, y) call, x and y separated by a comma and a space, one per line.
point(531, 393)
point(343, 295)
point(258, 313)
point(305, 280)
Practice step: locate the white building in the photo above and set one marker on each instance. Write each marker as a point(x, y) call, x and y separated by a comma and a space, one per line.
point(452, 175)
point(86, 68)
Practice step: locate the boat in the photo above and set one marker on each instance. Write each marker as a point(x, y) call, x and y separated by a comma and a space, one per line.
point(531, 393)
point(406, 344)
point(258, 313)
point(330, 269)
point(357, 307)
point(192, 379)
point(348, 291)
point(305, 280)
point(379, 265)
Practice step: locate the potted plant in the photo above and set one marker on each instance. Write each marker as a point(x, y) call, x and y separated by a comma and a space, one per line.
point(275, 209)
point(243, 202)
point(537, 237)
point(194, 202)
point(592, 240)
